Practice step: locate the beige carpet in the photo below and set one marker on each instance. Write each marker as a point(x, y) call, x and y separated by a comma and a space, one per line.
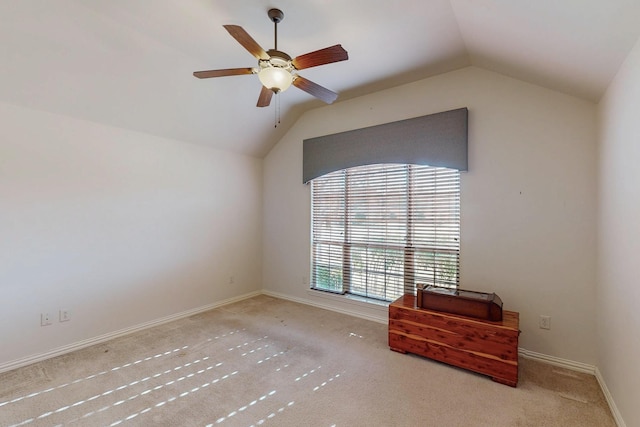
point(270, 362)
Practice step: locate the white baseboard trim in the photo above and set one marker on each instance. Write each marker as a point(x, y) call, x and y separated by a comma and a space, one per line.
point(557, 361)
point(607, 395)
point(116, 334)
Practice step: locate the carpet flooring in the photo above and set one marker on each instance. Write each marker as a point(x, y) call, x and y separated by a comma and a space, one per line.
point(270, 362)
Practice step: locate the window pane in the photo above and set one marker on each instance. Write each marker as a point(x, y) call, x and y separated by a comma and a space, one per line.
point(327, 271)
point(377, 272)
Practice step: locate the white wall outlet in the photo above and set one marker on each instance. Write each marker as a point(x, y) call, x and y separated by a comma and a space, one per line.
point(45, 319)
point(65, 315)
point(545, 322)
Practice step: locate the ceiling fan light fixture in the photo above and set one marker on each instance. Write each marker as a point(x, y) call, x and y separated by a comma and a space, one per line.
point(276, 72)
point(275, 78)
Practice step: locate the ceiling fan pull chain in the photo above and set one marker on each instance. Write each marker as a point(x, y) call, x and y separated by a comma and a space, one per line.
point(276, 111)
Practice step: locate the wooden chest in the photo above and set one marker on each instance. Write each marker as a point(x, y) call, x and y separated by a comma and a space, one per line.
point(483, 346)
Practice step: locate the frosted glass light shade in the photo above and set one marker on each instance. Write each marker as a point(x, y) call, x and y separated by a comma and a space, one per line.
point(275, 78)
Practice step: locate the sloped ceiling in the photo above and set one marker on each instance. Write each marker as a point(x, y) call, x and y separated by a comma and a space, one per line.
point(129, 63)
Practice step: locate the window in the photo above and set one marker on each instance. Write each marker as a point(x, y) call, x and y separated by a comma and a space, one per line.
point(377, 230)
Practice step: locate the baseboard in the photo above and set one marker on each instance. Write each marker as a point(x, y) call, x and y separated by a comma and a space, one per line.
point(557, 361)
point(116, 334)
point(607, 395)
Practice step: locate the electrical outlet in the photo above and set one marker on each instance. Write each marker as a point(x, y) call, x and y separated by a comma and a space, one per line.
point(65, 315)
point(45, 319)
point(545, 322)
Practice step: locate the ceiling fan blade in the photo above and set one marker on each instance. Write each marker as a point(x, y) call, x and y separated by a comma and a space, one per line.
point(315, 89)
point(265, 97)
point(238, 33)
point(222, 73)
point(320, 57)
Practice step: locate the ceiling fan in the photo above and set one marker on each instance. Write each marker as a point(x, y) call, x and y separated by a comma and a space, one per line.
point(276, 70)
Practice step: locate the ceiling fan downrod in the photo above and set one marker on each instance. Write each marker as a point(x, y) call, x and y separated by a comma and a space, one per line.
point(276, 15)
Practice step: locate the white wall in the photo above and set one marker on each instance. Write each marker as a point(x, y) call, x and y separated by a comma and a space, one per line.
point(528, 201)
point(120, 228)
point(619, 239)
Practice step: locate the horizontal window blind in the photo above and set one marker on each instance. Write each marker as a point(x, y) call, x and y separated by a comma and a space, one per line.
point(377, 230)
point(328, 231)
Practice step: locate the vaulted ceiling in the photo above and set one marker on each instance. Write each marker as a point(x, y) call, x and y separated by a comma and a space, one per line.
point(129, 63)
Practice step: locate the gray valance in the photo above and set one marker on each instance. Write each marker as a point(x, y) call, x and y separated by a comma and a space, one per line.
point(437, 140)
